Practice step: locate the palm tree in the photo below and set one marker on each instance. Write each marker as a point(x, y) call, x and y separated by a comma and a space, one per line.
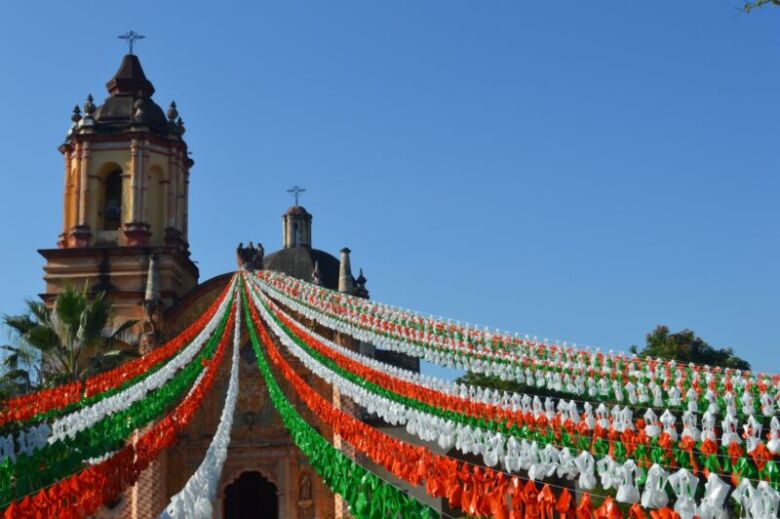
point(68, 343)
point(14, 370)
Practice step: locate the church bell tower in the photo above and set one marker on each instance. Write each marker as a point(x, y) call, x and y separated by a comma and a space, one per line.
point(125, 198)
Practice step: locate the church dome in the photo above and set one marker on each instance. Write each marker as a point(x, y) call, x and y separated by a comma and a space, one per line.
point(299, 262)
point(116, 114)
point(298, 210)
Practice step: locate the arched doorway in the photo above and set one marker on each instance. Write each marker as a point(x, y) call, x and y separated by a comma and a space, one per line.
point(251, 496)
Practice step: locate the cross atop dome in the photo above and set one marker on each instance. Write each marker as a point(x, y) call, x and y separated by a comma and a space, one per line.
point(296, 190)
point(131, 36)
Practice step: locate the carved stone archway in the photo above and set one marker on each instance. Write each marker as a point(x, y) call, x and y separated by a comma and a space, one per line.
point(268, 471)
point(250, 496)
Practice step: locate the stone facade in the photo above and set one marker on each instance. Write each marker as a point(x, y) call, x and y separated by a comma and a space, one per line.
point(125, 203)
point(259, 441)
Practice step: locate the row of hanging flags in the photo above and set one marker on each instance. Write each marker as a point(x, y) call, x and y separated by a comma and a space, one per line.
point(622, 437)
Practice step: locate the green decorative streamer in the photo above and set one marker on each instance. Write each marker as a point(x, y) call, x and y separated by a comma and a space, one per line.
point(540, 354)
point(367, 495)
point(379, 390)
point(14, 427)
point(600, 447)
point(60, 459)
point(84, 402)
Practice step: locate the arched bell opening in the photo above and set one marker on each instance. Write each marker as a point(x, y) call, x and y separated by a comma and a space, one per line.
point(251, 496)
point(110, 206)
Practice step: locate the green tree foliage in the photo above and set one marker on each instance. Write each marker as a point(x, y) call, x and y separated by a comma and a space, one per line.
point(14, 370)
point(749, 6)
point(65, 344)
point(686, 347)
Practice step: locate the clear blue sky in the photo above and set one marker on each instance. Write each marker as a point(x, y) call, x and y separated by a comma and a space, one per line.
point(575, 170)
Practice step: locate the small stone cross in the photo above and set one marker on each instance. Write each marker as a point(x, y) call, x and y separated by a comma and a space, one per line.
point(296, 191)
point(131, 36)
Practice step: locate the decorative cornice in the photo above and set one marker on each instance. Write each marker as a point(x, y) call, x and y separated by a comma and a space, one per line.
point(100, 141)
point(182, 256)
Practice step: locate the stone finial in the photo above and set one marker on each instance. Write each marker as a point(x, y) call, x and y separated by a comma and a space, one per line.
point(316, 275)
point(346, 281)
point(173, 113)
point(240, 255)
point(152, 294)
point(180, 126)
point(138, 107)
point(361, 290)
point(76, 117)
point(250, 258)
point(153, 306)
point(89, 106)
point(259, 257)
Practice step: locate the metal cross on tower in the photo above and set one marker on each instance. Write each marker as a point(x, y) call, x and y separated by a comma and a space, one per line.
point(131, 36)
point(295, 191)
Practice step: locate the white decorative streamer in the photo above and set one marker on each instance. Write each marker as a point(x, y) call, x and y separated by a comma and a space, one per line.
point(513, 454)
point(607, 416)
point(195, 500)
point(508, 364)
point(67, 426)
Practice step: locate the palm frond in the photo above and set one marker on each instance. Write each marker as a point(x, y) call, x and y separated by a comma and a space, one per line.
point(43, 338)
point(38, 310)
point(9, 348)
point(72, 340)
point(68, 309)
point(21, 324)
point(15, 375)
point(11, 361)
point(94, 319)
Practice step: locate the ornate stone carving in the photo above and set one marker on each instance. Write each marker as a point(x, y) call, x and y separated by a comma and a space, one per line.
point(251, 257)
point(305, 500)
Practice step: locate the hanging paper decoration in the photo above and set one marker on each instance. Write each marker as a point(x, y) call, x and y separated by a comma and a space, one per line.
point(195, 500)
point(493, 447)
point(442, 417)
point(82, 494)
point(101, 382)
point(26, 407)
point(669, 440)
point(367, 495)
point(67, 426)
point(611, 377)
point(60, 459)
point(479, 491)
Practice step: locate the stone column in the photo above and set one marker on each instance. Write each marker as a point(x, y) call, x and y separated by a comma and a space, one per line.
point(66, 223)
point(186, 216)
point(170, 196)
point(143, 188)
point(136, 231)
point(79, 235)
point(340, 505)
point(180, 197)
point(84, 185)
point(76, 194)
point(149, 492)
point(346, 282)
point(135, 159)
